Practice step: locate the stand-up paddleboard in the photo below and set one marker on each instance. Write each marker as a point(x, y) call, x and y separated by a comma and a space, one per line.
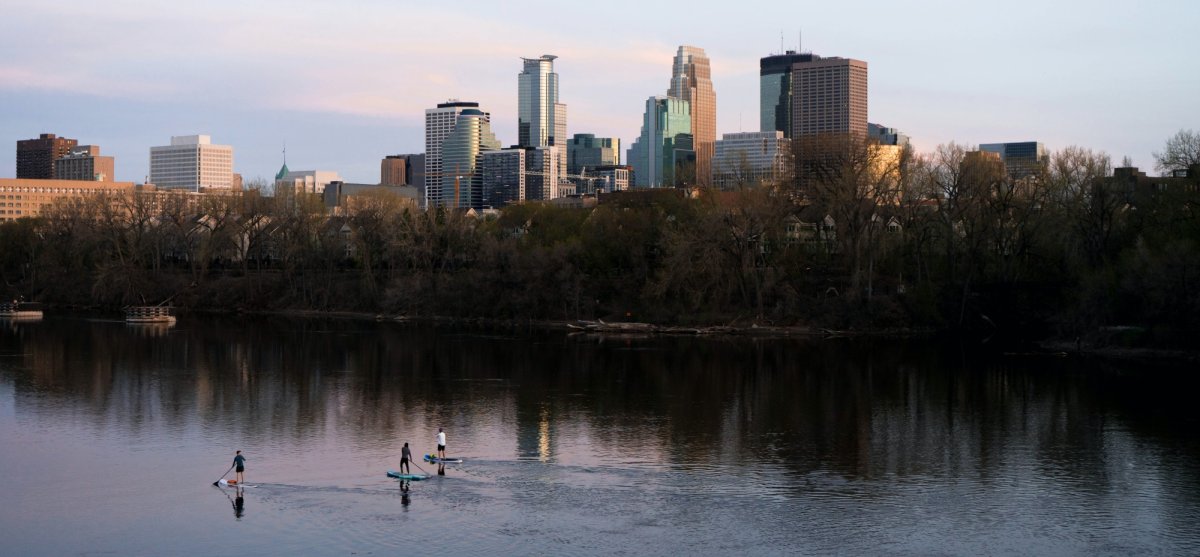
point(226, 483)
point(399, 476)
point(448, 460)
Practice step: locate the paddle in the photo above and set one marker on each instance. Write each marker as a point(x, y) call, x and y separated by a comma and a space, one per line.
point(418, 467)
point(223, 475)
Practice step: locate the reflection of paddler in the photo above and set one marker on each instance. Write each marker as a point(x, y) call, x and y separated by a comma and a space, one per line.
point(239, 504)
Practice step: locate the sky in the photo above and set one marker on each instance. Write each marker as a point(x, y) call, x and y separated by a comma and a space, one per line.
point(344, 83)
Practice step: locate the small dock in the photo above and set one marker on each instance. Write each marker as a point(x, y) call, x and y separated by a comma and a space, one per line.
point(23, 311)
point(150, 314)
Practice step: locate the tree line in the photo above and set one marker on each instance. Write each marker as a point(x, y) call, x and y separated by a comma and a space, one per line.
point(856, 237)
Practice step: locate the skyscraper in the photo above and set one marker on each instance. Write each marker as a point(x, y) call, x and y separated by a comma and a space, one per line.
point(691, 80)
point(664, 145)
point(541, 119)
point(439, 122)
point(829, 95)
point(192, 162)
point(503, 176)
point(35, 157)
point(462, 174)
point(585, 150)
point(775, 90)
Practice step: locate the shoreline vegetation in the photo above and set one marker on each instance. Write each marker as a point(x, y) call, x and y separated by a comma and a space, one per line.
point(856, 241)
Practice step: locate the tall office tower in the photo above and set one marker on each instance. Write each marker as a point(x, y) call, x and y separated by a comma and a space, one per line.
point(462, 176)
point(503, 176)
point(691, 80)
point(541, 119)
point(664, 147)
point(751, 158)
point(775, 90)
point(1021, 159)
point(829, 95)
point(35, 157)
point(84, 163)
point(439, 122)
point(585, 150)
point(393, 170)
point(192, 162)
point(402, 170)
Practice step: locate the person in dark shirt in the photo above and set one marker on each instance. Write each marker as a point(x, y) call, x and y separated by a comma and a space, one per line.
point(239, 462)
point(405, 457)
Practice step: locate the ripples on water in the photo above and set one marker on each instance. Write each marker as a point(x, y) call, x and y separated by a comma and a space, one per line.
point(573, 447)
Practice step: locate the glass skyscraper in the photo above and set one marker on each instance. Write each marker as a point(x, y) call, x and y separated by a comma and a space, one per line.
point(665, 143)
point(775, 90)
point(462, 174)
point(439, 123)
point(691, 80)
point(541, 119)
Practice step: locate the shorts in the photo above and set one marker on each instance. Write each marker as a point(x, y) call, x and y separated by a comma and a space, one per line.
point(403, 459)
point(441, 447)
point(240, 469)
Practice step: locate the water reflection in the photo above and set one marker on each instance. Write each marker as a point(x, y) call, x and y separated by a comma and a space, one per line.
point(832, 419)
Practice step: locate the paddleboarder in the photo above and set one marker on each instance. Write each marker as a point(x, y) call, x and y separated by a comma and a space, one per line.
point(405, 457)
point(239, 462)
point(441, 443)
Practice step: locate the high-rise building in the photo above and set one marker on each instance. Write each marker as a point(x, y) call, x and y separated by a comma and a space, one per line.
point(775, 90)
point(503, 176)
point(664, 147)
point(1021, 159)
point(462, 175)
point(887, 136)
point(35, 157)
point(829, 96)
point(691, 80)
point(84, 163)
point(585, 150)
point(402, 170)
point(541, 119)
point(751, 158)
point(439, 122)
point(192, 162)
point(544, 168)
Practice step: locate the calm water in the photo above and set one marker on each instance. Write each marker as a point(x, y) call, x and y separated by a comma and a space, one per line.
point(112, 436)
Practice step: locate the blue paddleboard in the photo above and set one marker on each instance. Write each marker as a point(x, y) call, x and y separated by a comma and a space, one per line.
point(399, 476)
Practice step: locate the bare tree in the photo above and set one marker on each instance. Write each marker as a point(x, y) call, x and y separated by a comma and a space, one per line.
point(1181, 151)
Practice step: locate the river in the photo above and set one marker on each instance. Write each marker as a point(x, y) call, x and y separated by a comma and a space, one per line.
point(113, 435)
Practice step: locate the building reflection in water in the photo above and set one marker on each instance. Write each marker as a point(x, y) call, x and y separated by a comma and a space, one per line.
point(856, 409)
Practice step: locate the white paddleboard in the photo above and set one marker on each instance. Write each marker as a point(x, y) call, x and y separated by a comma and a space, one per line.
point(225, 483)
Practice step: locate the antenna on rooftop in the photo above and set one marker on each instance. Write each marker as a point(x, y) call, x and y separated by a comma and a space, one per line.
point(781, 48)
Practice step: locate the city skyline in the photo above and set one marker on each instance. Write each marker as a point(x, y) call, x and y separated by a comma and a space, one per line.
point(242, 74)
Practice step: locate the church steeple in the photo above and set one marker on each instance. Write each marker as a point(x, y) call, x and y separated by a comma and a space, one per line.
point(283, 170)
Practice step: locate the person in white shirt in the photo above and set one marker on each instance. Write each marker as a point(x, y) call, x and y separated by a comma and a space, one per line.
point(441, 443)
